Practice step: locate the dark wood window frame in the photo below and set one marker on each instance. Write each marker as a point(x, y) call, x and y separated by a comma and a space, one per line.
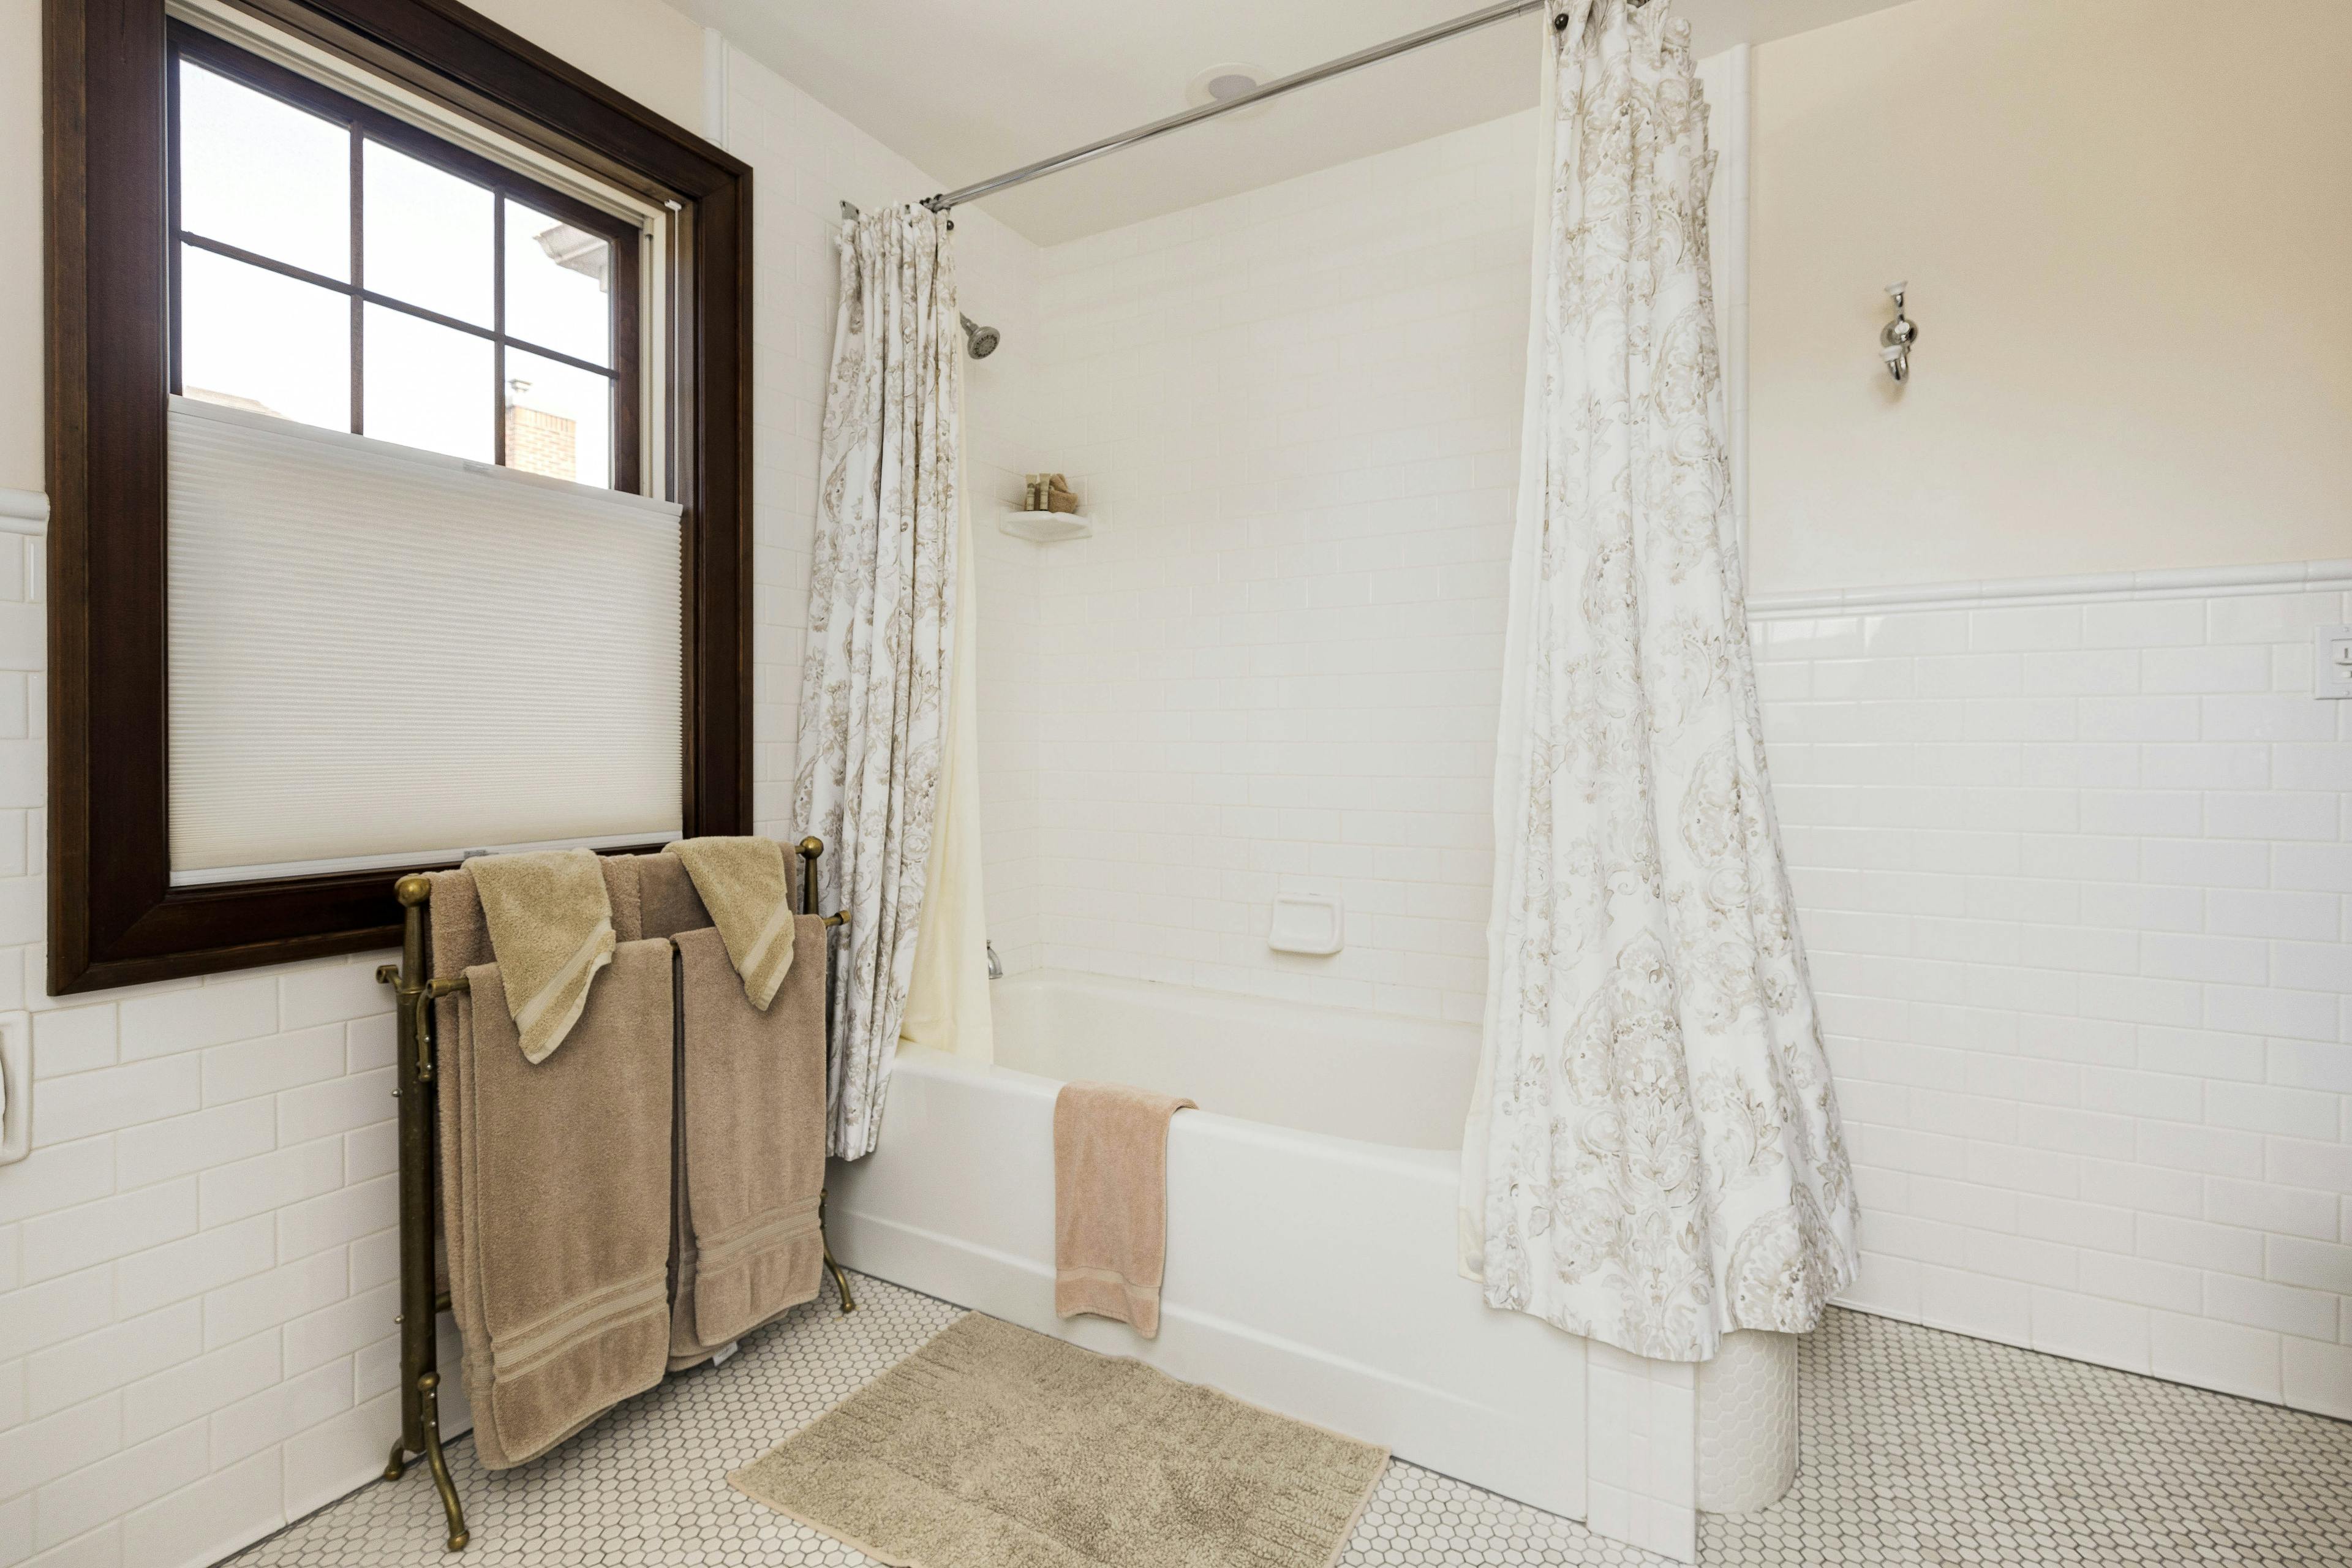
point(364, 124)
point(114, 917)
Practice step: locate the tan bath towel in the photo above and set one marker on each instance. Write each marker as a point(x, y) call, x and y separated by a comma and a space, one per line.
point(752, 1165)
point(750, 895)
point(555, 1198)
point(550, 922)
point(667, 901)
point(1111, 1201)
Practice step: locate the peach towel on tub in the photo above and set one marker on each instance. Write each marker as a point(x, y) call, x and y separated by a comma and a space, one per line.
point(1111, 1201)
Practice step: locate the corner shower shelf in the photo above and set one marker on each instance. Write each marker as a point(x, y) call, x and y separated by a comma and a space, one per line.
point(1047, 527)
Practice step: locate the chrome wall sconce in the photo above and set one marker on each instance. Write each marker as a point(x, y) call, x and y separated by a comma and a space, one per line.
point(1896, 343)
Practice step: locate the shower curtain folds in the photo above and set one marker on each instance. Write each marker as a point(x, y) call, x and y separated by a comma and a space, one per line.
point(879, 666)
point(1653, 1156)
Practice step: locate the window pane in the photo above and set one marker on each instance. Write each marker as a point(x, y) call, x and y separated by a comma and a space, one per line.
point(428, 236)
point(262, 175)
point(254, 338)
point(559, 286)
point(427, 385)
point(559, 419)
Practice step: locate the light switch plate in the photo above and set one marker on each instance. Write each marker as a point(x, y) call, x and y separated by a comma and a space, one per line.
point(2331, 654)
point(16, 1083)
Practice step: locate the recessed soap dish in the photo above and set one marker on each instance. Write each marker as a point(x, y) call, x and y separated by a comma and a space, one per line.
point(1307, 922)
point(1047, 527)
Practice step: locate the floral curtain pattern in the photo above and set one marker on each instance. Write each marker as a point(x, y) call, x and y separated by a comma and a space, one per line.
point(879, 666)
point(1652, 1157)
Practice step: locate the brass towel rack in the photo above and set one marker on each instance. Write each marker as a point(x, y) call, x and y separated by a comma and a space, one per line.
point(420, 1301)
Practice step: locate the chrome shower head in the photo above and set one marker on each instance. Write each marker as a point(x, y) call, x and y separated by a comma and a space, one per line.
point(981, 340)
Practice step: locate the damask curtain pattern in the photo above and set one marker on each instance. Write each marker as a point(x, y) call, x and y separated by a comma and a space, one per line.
point(877, 672)
point(1652, 1157)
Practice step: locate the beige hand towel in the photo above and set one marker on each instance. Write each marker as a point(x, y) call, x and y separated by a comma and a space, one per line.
point(1111, 1201)
point(751, 1167)
point(550, 921)
point(555, 1198)
point(750, 896)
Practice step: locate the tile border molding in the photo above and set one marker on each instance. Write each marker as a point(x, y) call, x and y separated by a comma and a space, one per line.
point(2183, 582)
point(24, 511)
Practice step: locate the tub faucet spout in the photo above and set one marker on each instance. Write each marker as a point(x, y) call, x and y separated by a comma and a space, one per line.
point(996, 965)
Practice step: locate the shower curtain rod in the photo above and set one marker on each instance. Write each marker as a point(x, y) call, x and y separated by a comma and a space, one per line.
point(1158, 127)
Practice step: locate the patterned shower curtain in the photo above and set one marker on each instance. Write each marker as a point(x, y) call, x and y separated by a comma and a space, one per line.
point(1653, 1156)
point(877, 672)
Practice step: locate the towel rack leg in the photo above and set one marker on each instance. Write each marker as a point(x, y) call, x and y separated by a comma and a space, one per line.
point(420, 1302)
point(840, 1279)
point(809, 850)
point(428, 1395)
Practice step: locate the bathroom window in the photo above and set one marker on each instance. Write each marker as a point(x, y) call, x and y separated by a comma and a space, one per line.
point(340, 267)
point(399, 439)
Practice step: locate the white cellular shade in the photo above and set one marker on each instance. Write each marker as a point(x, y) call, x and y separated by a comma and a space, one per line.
point(381, 657)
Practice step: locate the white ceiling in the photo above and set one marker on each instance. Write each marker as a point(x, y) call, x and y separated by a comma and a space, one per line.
point(970, 88)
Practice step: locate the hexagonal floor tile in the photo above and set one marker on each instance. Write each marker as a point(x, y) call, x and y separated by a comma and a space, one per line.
point(1920, 1448)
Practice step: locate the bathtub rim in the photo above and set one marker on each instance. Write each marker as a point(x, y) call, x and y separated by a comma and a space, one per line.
point(1190, 1123)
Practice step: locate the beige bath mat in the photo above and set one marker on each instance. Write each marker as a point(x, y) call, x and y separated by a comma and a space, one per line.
point(995, 1448)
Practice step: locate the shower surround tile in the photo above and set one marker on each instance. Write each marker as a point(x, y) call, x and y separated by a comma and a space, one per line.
point(1919, 1447)
point(1293, 415)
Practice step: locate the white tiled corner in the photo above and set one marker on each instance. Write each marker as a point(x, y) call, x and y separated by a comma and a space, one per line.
point(1642, 1443)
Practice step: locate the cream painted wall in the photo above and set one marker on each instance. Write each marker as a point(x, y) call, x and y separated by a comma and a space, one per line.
point(2126, 223)
point(640, 47)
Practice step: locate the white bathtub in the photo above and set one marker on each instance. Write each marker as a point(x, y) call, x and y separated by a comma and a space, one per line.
point(1310, 1238)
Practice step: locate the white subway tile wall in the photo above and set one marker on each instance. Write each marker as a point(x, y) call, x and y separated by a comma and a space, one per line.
point(193, 1267)
point(2077, 889)
point(1293, 415)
